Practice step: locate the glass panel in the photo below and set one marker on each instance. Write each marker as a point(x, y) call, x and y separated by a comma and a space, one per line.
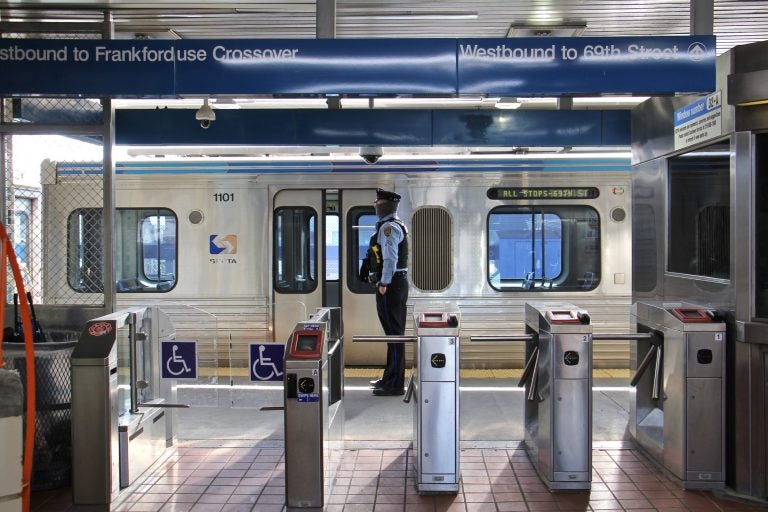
point(526, 248)
point(123, 370)
point(361, 222)
point(295, 250)
point(332, 247)
point(699, 210)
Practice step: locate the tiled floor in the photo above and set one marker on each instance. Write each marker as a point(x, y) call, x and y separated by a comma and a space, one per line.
point(201, 477)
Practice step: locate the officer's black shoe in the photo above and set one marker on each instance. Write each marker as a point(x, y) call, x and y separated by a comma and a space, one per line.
point(376, 383)
point(388, 391)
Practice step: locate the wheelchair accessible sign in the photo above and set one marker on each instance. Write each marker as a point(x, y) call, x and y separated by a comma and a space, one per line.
point(266, 361)
point(179, 359)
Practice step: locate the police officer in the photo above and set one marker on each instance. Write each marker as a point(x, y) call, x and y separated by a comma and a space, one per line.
point(388, 260)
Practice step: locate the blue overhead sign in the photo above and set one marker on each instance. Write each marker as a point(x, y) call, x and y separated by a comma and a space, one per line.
point(586, 65)
point(512, 67)
point(324, 66)
point(87, 67)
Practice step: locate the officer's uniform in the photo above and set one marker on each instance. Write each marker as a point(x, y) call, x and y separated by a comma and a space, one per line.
point(391, 241)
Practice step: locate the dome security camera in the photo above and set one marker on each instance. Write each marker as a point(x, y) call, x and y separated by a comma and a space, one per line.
point(371, 154)
point(205, 115)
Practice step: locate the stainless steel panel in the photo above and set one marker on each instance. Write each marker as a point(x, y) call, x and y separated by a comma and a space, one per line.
point(438, 432)
point(672, 395)
point(95, 446)
point(572, 435)
point(429, 346)
point(704, 434)
point(542, 409)
point(696, 362)
point(304, 430)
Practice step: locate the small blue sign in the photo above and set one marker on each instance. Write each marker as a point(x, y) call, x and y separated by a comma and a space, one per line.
point(179, 359)
point(696, 109)
point(265, 361)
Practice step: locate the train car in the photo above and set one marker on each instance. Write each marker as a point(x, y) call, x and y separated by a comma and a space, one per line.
point(237, 250)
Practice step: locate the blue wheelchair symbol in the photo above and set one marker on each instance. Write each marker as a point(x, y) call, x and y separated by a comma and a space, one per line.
point(266, 361)
point(179, 359)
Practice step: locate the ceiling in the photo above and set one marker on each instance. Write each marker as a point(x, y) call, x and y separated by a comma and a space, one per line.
point(735, 22)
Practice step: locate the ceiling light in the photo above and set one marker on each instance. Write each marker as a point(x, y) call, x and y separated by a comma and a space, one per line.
point(409, 15)
point(508, 103)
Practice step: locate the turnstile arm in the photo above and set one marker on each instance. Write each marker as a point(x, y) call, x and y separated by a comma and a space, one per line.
point(528, 367)
point(409, 389)
point(657, 374)
point(504, 338)
point(621, 336)
point(384, 339)
point(534, 376)
point(655, 352)
point(643, 365)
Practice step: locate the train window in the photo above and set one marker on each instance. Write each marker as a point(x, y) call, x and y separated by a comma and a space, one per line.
point(295, 265)
point(362, 225)
point(145, 250)
point(84, 250)
point(157, 248)
point(546, 248)
point(331, 247)
point(699, 212)
point(431, 248)
point(22, 230)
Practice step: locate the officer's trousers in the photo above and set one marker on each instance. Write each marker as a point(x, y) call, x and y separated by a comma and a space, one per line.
point(391, 308)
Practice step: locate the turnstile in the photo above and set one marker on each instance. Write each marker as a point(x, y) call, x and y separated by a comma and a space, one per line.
point(558, 384)
point(678, 415)
point(314, 410)
point(435, 386)
point(121, 410)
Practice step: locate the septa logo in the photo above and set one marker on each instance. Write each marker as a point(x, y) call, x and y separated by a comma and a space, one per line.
point(223, 244)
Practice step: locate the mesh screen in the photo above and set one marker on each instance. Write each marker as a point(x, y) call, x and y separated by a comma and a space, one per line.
point(58, 247)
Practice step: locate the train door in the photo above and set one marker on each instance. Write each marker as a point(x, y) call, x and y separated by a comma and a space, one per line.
point(359, 303)
point(297, 257)
point(319, 239)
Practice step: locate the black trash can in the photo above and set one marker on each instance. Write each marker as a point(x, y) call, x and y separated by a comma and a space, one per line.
point(52, 466)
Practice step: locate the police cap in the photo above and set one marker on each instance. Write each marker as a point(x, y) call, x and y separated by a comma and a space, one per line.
point(387, 196)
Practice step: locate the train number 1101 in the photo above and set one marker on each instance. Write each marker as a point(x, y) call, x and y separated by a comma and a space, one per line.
point(224, 197)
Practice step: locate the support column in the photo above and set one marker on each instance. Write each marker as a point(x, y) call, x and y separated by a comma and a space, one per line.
point(325, 19)
point(702, 17)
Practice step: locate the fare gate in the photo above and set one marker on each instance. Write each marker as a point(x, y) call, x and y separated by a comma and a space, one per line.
point(313, 409)
point(434, 389)
point(122, 411)
point(434, 385)
point(558, 383)
point(678, 415)
point(558, 389)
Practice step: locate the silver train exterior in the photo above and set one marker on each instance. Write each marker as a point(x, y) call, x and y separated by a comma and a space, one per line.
point(250, 246)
